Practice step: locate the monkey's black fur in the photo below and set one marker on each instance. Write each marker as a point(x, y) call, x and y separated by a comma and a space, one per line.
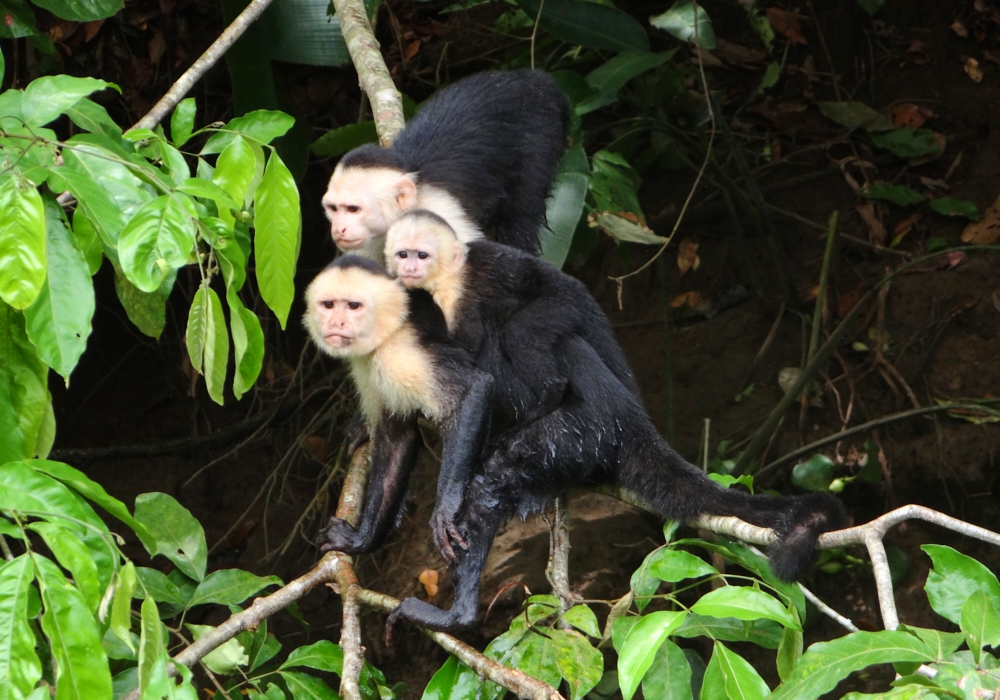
point(598, 433)
point(493, 141)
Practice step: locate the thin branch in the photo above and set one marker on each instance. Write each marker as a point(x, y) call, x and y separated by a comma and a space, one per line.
point(557, 569)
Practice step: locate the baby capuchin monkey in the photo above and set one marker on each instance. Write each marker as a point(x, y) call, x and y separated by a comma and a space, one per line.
point(482, 154)
point(507, 308)
point(599, 433)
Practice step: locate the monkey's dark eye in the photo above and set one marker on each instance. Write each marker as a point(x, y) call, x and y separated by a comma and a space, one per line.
point(332, 208)
point(326, 304)
point(422, 255)
point(352, 208)
point(402, 254)
point(354, 305)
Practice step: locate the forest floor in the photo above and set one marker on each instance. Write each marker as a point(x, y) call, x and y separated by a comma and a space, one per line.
point(940, 328)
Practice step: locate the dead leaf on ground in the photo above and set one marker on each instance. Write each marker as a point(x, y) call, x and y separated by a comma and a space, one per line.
point(940, 142)
point(737, 54)
point(410, 50)
point(918, 53)
point(811, 293)
point(902, 228)
point(973, 70)
point(959, 28)
point(876, 230)
point(786, 24)
point(429, 578)
point(986, 230)
point(694, 300)
point(910, 115)
point(933, 184)
point(687, 256)
point(90, 29)
point(846, 302)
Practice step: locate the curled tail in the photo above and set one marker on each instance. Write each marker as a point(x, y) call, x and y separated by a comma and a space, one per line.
point(676, 489)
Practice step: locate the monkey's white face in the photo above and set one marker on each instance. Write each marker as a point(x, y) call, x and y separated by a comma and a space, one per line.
point(361, 203)
point(342, 322)
point(414, 265)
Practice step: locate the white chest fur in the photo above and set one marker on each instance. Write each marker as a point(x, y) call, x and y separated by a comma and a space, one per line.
point(398, 378)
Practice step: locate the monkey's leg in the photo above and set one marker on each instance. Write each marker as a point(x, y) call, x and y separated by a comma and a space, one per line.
point(394, 453)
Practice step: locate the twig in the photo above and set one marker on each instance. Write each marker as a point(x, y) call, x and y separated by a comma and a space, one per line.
point(557, 569)
point(387, 103)
point(824, 277)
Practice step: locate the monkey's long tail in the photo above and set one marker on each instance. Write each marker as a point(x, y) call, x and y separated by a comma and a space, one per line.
point(679, 490)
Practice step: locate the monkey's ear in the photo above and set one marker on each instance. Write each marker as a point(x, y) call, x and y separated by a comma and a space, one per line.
point(406, 193)
point(458, 258)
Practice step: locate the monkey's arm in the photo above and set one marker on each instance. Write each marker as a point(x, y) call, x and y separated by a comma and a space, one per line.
point(395, 444)
point(463, 443)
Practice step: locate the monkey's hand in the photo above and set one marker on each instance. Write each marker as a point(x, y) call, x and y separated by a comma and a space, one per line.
point(339, 536)
point(356, 432)
point(446, 534)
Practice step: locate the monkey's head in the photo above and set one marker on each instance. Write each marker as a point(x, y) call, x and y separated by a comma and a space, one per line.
point(421, 248)
point(369, 189)
point(353, 306)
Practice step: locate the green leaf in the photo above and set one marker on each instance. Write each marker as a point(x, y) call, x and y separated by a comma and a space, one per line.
point(25, 403)
point(954, 578)
point(151, 646)
point(639, 647)
point(276, 243)
point(563, 209)
point(19, 21)
point(158, 586)
point(900, 195)
point(47, 97)
point(949, 206)
point(871, 6)
point(92, 117)
point(815, 474)
point(160, 686)
point(672, 565)
point(323, 655)
point(763, 633)
point(207, 340)
point(305, 687)
point(230, 587)
point(82, 10)
point(248, 343)
point(112, 170)
point(941, 644)
point(58, 322)
point(669, 676)
point(92, 491)
point(209, 190)
point(88, 241)
point(262, 125)
point(744, 603)
point(234, 172)
point(174, 166)
point(224, 659)
point(120, 621)
point(643, 583)
point(158, 238)
point(611, 76)
point(908, 143)
point(623, 229)
point(147, 310)
point(339, 141)
point(178, 536)
point(825, 663)
point(790, 648)
point(93, 199)
point(182, 121)
point(73, 555)
point(22, 242)
point(579, 663)
point(583, 618)
point(80, 664)
point(682, 21)
point(24, 489)
point(739, 677)
point(454, 681)
point(981, 623)
point(856, 115)
point(20, 667)
point(588, 24)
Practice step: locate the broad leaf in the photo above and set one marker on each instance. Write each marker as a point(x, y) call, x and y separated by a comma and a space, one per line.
point(339, 141)
point(739, 677)
point(323, 655)
point(583, 618)
point(25, 403)
point(908, 143)
point(207, 340)
point(224, 659)
point(24, 489)
point(230, 587)
point(687, 24)
point(276, 243)
point(58, 322)
point(588, 24)
point(20, 667)
point(579, 663)
point(744, 603)
point(158, 586)
point(672, 565)
point(82, 10)
point(763, 633)
point(120, 621)
point(88, 241)
point(563, 210)
point(19, 21)
point(179, 537)
point(74, 556)
point(262, 125)
point(151, 646)
point(248, 343)
point(981, 623)
point(815, 474)
point(92, 117)
point(157, 239)
point(47, 97)
point(900, 195)
point(949, 206)
point(93, 200)
point(954, 578)
point(454, 681)
point(611, 76)
point(182, 121)
point(305, 687)
point(669, 676)
point(22, 242)
point(639, 648)
point(147, 310)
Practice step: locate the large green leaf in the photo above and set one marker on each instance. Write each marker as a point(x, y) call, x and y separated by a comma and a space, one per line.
point(93, 200)
point(323, 655)
point(263, 125)
point(20, 668)
point(301, 31)
point(276, 243)
point(672, 565)
point(763, 633)
point(25, 402)
point(248, 343)
point(453, 681)
point(954, 578)
point(179, 537)
point(234, 173)
point(207, 340)
point(19, 20)
point(74, 556)
point(182, 121)
point(579, 663)
point(92, 117)
point(589, 24)
point(339, 141)
point(147, 310)
point(981, 623)
point(825, 663)
point(159, 238)
point(120, 620)
point(224, 659)
point(22, 242)
point(230, 587)
point(611, 76)
point(669, 676)
point(88, 241)
point(305, 687)
point(740, 678)
point(563, 210)
point(639, 648)
point(744, 603)
point(151, 645)
point(24, 489)
point(47, 97)
point(82, 10)
point(687, 24)
point(81, 666)
point(158, 586)
point(58, 322)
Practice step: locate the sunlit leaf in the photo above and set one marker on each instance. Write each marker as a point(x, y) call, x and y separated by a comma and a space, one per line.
point(669, 676)
point(47, 97)
point(224, 659)
point(263, 125)
point(304, 687)
point(673, 565)
point(178, 536)
point(230, 587)
point(151, 646)
point(954, 578)
point(740, 679)
point(276, 243)
point(744, 603)
point(686, 24)
point(182, 121)
point(92, 117)
point(639, 647)
point(73, 555)
point(248, 344)
point(25, 402)
point(20, 667)
point(22, 242)
point(159, 238)
point(323, 655)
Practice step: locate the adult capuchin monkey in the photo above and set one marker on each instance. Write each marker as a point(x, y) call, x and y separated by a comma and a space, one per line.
point(598, 434)
point(482, 154)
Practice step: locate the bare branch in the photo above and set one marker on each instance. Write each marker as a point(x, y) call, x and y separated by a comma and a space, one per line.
point(557, 569)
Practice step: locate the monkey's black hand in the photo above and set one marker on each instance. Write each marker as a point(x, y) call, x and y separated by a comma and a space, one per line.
point(338, 536)
point(446, 534)
point(356, 432)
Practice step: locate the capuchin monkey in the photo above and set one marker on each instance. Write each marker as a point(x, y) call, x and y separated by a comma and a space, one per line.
point(482, 154)
point(598, 434)
point(502, 305)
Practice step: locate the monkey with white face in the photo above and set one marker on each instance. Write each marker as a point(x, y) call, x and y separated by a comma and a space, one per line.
point(402, 364)
point(482, 154)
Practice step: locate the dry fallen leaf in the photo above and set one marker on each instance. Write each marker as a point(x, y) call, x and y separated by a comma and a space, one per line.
point(918, 53)
point(429, 577)
point(986, 230)
point(973, 70)
point(848, 301)
point(876, 231)
point(902, 228)
point(737, 54)
point(687, 256)
point(786, 24)
point(910, 115)
point(410, 50)
point(959, 28)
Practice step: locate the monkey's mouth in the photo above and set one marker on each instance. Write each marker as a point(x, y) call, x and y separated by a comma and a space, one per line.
point(336, 340)
point(349, 243)
point(410, 280)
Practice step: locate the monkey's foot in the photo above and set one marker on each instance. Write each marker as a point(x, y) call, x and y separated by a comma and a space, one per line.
point(422, 613)
point(447, 534)
point(339, 536)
